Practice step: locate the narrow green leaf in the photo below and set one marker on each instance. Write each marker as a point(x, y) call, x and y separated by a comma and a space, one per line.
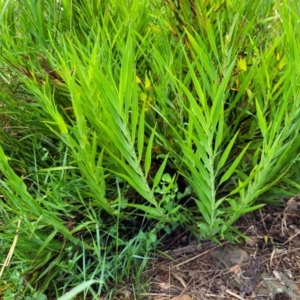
point(78, 289)
point(226, 153)
point(232, 168)
point(126, 78)
point(217, 110)
point(246, 210)
point(46, 242)
point(141, 134)
point(160, 172)
point(148, 157)
point(211, 34)
point(221, 132)
point(261, 120)
point(3, 9)
point(153, 212)
point(204, 211)
point(201, 51)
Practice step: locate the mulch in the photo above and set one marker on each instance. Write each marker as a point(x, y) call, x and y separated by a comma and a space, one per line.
point(264, 266)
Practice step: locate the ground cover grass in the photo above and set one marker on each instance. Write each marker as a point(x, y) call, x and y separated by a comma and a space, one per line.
point(122, 120)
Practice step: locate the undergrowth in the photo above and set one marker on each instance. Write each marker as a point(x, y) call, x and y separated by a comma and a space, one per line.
point(122, 120)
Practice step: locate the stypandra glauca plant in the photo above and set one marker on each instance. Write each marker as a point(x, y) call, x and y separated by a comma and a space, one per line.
point(118, 113)
point(235, 99)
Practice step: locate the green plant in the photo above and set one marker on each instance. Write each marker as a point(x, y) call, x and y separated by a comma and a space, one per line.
point(20, 290)
point(121, 115)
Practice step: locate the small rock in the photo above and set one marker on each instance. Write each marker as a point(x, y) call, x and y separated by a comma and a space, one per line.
point(229, 256)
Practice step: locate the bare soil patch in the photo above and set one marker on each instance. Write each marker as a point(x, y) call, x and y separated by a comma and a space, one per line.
point(265, 266)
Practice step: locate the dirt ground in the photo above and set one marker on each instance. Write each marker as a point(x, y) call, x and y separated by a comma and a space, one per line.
point(265, 266)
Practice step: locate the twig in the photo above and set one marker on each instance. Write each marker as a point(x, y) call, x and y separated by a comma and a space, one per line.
point(293, 236)
point(11, 251)
point(234, 295)
point(199, 255)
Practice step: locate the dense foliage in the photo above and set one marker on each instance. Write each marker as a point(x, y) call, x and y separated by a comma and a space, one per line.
point(122, 119)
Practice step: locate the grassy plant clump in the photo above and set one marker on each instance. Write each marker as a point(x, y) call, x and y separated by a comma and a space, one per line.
point(124, 119)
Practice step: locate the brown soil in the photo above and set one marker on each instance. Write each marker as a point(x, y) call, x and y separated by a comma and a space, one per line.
point(266, 266)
